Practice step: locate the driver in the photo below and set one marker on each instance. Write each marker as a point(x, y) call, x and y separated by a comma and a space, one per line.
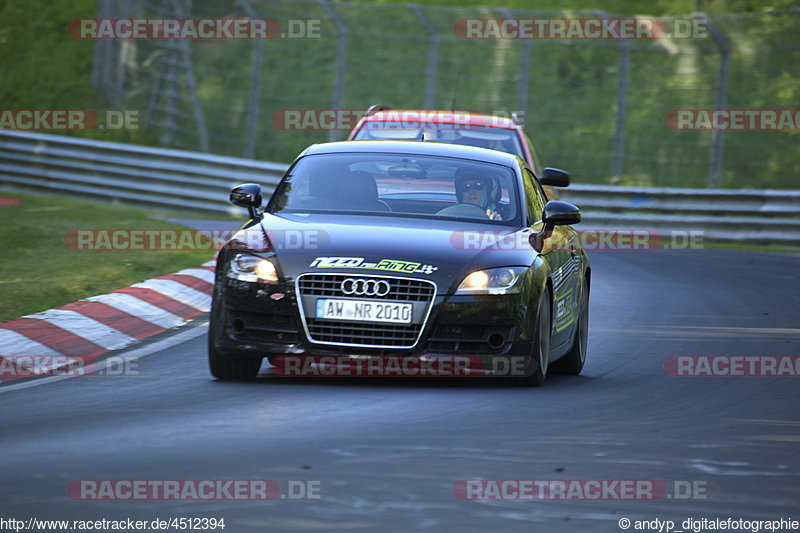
point(483, 191)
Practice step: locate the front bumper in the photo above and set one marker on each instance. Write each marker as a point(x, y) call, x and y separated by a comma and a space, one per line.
point(488, 332)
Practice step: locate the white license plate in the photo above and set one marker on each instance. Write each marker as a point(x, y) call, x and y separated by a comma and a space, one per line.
point(364, 311)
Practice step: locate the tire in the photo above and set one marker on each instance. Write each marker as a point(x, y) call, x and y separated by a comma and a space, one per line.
point(541, 350)
point(572, 363)
point(238, 368)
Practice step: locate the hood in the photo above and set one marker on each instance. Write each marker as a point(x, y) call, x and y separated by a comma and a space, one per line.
point(440, 250)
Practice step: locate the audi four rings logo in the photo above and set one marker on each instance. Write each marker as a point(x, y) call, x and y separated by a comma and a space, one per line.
point(365, 287)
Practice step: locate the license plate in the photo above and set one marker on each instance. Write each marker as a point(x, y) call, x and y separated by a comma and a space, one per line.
point(364, 311)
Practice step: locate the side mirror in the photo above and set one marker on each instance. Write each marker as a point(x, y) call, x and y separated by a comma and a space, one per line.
point(555, 214)
point(560, 214)
point(554, 177)
point(247, 195)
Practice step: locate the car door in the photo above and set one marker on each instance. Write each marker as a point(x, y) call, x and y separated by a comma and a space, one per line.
point(563, 260)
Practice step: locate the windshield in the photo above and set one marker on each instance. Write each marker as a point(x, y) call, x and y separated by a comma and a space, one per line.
point(501, 139)
point(400, 185)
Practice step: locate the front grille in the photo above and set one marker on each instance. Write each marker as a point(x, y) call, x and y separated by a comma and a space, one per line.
point(370, 334)
point(444, 332)
point(329, 285)
point(382, 335)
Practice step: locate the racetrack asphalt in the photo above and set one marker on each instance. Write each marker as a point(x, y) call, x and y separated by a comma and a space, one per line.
point(389, 452)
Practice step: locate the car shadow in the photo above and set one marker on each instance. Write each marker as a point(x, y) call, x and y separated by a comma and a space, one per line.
point(472, 382)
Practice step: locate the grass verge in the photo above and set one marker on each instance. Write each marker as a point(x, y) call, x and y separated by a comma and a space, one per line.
point(39, 271)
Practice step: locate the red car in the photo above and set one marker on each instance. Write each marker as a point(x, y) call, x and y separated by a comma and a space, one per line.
point(457, 127)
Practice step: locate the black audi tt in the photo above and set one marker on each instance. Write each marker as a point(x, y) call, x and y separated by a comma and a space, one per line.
point(427, 252)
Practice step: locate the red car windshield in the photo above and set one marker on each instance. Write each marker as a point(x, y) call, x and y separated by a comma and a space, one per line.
point(501, 139)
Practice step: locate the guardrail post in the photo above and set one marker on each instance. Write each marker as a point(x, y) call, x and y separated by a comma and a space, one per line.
point(717, 140)
point(341, 60)
point(432, 69)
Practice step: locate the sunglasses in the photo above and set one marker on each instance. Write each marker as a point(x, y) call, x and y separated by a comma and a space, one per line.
point(477, 186)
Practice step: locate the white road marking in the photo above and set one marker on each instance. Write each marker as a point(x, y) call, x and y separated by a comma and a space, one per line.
point(85, 327)
point(200, 273)
point(179, 291)
point(140, 309)
point(13, 343)
point(133, 354)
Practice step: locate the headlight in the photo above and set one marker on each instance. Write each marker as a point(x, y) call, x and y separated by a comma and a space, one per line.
point(506, 280)
point(251, 268)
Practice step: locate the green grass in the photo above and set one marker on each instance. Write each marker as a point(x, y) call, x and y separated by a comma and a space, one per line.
point(39, 271)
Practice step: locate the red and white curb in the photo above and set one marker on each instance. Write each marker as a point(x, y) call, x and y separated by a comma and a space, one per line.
point(40, 343)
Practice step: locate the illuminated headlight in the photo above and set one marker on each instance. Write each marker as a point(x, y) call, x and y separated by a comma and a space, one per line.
point(251, 268)
point(507, 280)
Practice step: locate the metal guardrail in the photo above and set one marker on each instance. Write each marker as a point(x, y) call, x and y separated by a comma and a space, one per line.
point(141, 175)
point(716, 201)
point(156, 177)
point(762, 216)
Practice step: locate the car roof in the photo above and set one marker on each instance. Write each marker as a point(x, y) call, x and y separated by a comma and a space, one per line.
point(442, 117)
point(414, 148)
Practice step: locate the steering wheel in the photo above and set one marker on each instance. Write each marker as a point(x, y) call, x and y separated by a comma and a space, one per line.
point(307, 202)
point(464, 210)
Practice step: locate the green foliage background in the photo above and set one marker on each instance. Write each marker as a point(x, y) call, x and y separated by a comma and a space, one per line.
point(571, 94)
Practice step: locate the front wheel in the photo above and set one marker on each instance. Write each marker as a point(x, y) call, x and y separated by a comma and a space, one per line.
point(541, 349)
point(228, 367)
